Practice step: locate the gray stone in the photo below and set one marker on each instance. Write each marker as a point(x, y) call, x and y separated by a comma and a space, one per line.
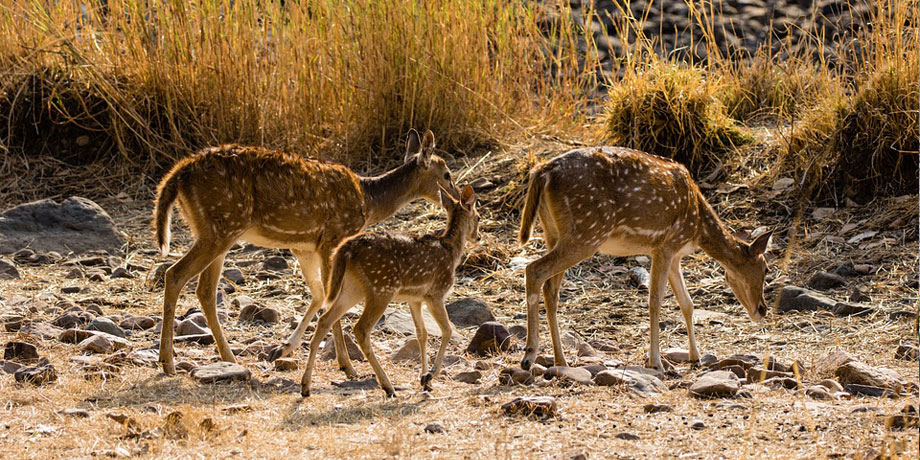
point(200, 339)
point(40, 329)
point(818, 392)
point(137, 323)
point(469, 312)
point(585, 350)
point(640, 383)
point(676, 355)
point(829, 364)
point(656, 408)
point(858, 373)
point(8, 271)
point(285, 364)
point(22, 352)
point(594, 368)
point(275, 264)
point(518, 331)
point(831, 385)
point(74, 335)
point(190, 327)
point(536, 406)
point(491, 337)
point(640, 278)
point(71, 320)
point(400, 322)
point(568, 374)
point(823, 281)
point(256, 313)
point(105, 325)
point(234, 275)
point(354, 351)
point(97, 343)
point(220, 372)
point(39, 374)
point(756, 374)
point(626, 436)
point(515, 376)
point(409, 351)
point(852, 309)
point(75, 225)
point(471, 377)
point(793, 298)
point(434, 428)
point(9, 367)
point(75, 412)
point(716, 384)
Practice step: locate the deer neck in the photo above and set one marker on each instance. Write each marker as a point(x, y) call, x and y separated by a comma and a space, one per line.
point(387, 193)
point(454, 238)
point(714, 238)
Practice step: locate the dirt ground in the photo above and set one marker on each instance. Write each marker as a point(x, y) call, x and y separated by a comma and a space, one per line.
point(267, 418)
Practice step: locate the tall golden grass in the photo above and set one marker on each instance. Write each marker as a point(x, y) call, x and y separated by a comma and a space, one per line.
point(344, 79)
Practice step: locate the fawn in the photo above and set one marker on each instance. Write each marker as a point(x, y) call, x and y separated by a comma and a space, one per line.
point(378, 268)
point(624, 202)
point(278, 200)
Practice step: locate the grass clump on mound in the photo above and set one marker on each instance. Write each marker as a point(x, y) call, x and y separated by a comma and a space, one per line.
point(764, 88)
point(672, 111)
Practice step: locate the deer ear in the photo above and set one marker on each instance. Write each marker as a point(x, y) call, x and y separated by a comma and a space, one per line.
point(467, 197)
point(446, 201)
point(759, 246)
point(424, 157)
point(413, 145)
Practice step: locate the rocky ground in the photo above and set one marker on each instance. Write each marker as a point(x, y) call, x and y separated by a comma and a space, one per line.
point(831, 373)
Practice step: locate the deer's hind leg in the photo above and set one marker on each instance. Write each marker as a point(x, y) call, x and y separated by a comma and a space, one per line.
point(349, 296)
point(207, 295)
point(374, 307)
point(202, 253)
point(439, 312)
point(310, 264)
point(421, 335)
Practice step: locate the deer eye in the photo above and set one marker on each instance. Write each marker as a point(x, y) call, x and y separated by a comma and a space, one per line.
point(447, 175)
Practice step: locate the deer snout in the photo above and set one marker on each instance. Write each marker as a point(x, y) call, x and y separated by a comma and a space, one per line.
point(761, 312)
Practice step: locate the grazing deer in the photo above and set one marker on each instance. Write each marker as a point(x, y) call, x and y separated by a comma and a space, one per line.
point(279, 200)
point(624, 202)
point(377, 268)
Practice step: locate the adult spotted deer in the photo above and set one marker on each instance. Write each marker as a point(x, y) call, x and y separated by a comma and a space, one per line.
point(377, 268)
point(624, 202)
point(278, 200)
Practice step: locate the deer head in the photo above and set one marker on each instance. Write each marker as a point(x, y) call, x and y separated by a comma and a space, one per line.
point(464, 212)
point(433, 173)
point(746, 276)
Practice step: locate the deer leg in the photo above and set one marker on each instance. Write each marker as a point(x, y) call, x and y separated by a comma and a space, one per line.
point(657, 287)
point(347, 299)
point(341, 351)
point(373, 310)
point(193, 262)
point(676, 278)
point(551, 301)
point(421, 334)
point(553, 263)
point(207, 295)
point(310, 270)
point(439, 312)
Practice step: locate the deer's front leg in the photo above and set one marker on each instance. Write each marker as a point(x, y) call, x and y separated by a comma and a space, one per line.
point(676, 278)
point(657, 286)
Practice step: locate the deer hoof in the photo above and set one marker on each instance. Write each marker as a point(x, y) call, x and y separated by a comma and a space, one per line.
point(276, 353)
point(426, 381)
point(305, 392)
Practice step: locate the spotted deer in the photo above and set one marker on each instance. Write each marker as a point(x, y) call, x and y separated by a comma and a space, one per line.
point(279, 200)
point(378, 268)
point(624, 202)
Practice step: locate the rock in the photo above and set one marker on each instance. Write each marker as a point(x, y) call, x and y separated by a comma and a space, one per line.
point(655, 408)
point(75, 412)
point(626, 436)
point(354, 351)
point(190, 327)
point(434, 428)
point(71, 289)
point(275, 264)
point(643, 384)
point(220, 372)
point(793, 298)
point(676, 355)
point(788, 383)
point(75, 335)
point(408, 351)
point(71, 320)
point(39, 374)
point(121, 272)
point(823, 281)
point(828, 365)
point(907, 352)
point(867, 390)
point(568, 374)
point(105, 325)
point(471, 377)
point(195, 316)
point(908, 418)
point(545, 361)
point(97, 343)
point(200, 339)
point(400, 322)
point(490, 338)
point(640, 278)
point(515, 376)
point(604, 345)
point(716, 384)
point(469, 311)
point(756, 374)
point(137, 323)
point(9, 367)
point(593, 368)
point(818, 392)
point(902, 314)
point(708, 359)
point(22, 352)
point(857, 295)
point(285, 364)
point(537, 370)
point(234, 275)
point(40, 329)
point(586, 350)
point(832, 385)
point(858, 373)
point(697, 425)
point(75, 225)
point(8, 271)
point(256, 313)
point(518, 331)
point(851, 309)
point(536, 406)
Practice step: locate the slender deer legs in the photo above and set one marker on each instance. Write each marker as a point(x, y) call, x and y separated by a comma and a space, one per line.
point(373, 311)
point(676, 278)
point(656, 291)
point(439, 312)
point(207, 296)
point(421, 334)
